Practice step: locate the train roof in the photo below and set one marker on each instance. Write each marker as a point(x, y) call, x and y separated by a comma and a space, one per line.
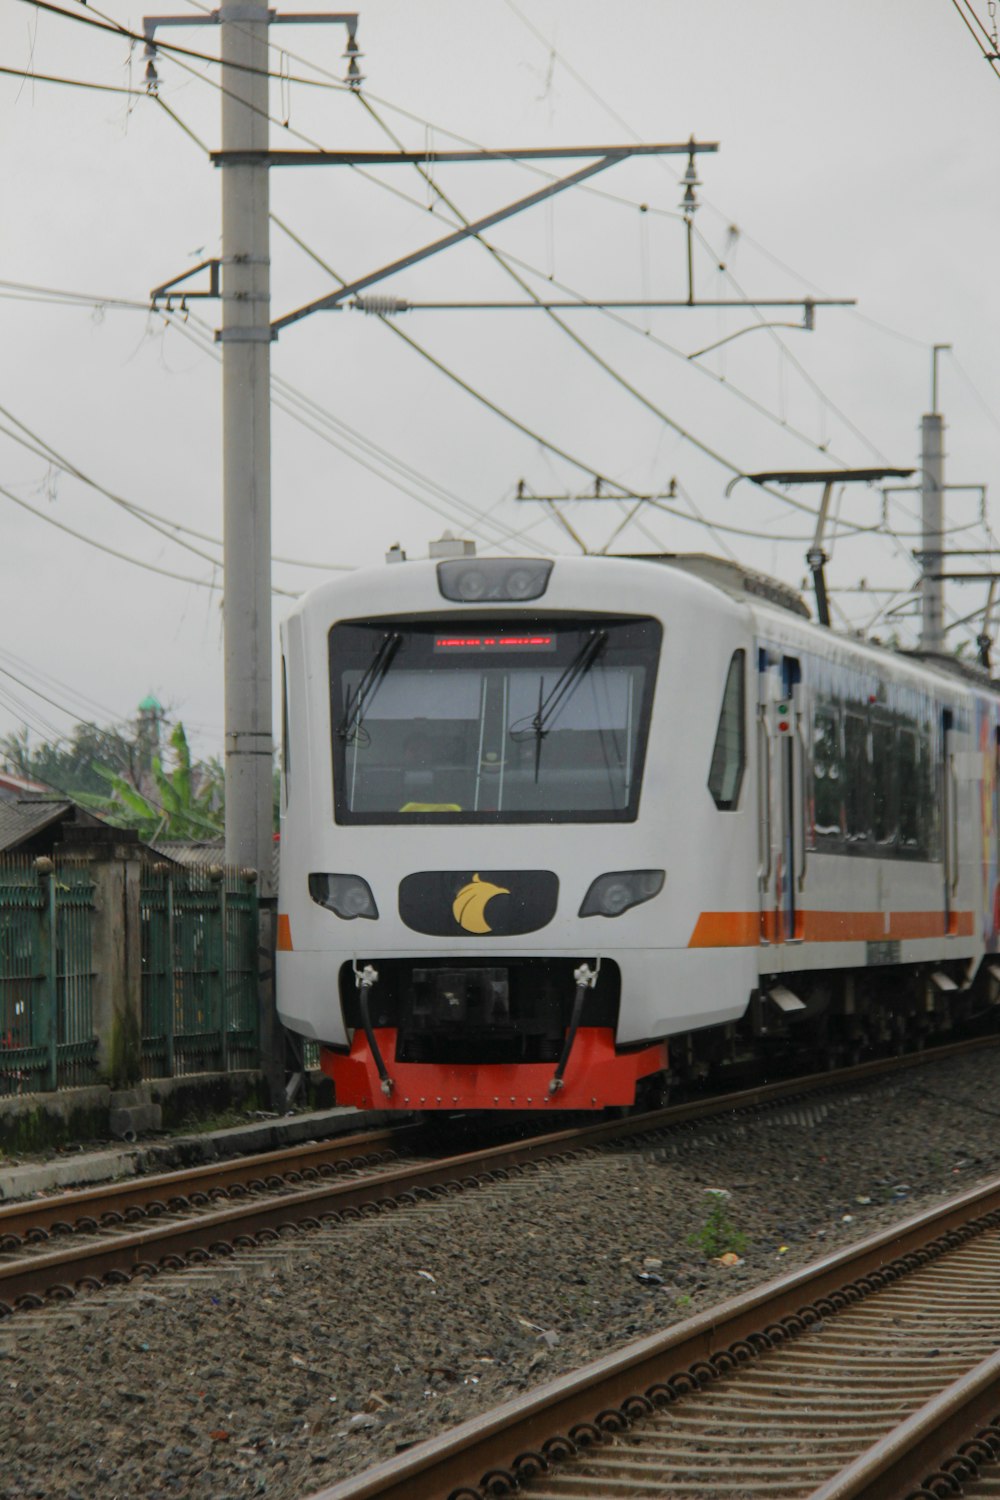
point(745, 583)
point(730, 576)
point(761, 594)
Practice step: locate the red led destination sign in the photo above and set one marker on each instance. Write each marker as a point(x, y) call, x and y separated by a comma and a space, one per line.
point(494, 643)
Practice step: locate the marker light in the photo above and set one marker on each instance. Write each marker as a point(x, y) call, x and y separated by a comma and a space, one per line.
point(473, 581)
point(616, 892)
point(347, 895)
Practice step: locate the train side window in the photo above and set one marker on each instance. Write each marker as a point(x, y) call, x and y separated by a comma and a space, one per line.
point(286, 756)
point(931, 751)
point(827, 772)
point(725, 776)
point(883, 782)
point(907, 758)
point(857, 782)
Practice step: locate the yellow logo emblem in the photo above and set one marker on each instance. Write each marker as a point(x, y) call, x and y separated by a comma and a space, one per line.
point(469, 906)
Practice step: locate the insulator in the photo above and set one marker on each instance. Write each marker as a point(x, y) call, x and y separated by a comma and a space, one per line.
point(382, 307)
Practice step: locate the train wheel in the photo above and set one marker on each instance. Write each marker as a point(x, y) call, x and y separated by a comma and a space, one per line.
point(652, 1093)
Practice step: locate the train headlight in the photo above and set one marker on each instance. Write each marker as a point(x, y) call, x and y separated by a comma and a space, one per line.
point(475, 580)
point(616, 892)
point(347, 895)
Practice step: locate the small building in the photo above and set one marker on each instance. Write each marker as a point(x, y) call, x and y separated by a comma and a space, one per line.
point(34, 824)
point(13, 787)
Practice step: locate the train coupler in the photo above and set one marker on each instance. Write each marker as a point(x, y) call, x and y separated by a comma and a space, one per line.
point(365, 979)
point(586, 978)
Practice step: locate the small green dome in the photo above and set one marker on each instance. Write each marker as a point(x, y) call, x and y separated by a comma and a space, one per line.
point(150, 705)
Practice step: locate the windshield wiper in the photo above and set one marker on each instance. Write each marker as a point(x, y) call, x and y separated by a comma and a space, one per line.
point(358, 702)
point(562, 690)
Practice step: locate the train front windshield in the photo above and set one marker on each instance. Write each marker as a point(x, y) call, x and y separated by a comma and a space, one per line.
point(491, 721)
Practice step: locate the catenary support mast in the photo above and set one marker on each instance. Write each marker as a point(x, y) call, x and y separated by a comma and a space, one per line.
point(246, 373)
point(932, 513)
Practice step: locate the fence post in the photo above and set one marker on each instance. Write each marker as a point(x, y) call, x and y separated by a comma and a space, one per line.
point(50, 961)
point(216, 978)
point(170, 1005)
point(115, 865)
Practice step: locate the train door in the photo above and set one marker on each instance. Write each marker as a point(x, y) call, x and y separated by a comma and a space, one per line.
point(949, 820)
point(781, 797)
point(789, 726)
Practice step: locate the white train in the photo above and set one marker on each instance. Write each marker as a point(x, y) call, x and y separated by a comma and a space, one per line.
point(554, 831)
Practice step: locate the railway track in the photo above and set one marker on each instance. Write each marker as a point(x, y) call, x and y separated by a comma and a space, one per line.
point(77, 1242)
point(872, 1375)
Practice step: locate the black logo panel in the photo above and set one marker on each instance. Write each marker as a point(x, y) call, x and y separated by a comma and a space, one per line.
point(478, 903)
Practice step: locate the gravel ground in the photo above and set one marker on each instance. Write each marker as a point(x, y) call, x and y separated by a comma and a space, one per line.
point(281, 1371)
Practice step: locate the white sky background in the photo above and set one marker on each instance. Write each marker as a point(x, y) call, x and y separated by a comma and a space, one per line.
point(858, 148)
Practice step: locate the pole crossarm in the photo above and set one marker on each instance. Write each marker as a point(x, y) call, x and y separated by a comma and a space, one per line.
point(603, 304)
point(433, 158)
point(168, 288)
point(827, 476)
point(816, 557)
point(958, 552)
point(613, 154)
point(964, 578)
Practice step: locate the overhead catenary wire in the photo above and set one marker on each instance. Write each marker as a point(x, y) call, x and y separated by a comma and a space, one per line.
point(136, 562)
point(115, 28)
point(90, 705)
point(658, 412)
point(158, 522)
point(324, 425)
point(502, 259)
point(804, 507)
point(30, 76)
point(624, 124)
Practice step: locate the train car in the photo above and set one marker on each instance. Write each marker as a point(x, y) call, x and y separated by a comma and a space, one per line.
point(555, 833)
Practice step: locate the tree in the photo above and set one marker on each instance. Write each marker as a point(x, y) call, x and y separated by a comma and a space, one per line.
point(72, 768)
point(185, 803)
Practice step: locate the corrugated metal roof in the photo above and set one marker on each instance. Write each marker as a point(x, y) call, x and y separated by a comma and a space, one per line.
point(203, 854)
point(20, 820)
point(194, 854)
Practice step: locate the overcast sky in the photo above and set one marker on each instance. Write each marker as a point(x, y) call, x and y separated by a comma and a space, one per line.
point(857, 158)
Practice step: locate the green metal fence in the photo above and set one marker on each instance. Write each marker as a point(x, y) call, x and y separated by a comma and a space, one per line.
point(199, 972)
point(46, 976)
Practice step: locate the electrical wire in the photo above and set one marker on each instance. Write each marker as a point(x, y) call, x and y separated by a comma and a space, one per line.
point(112, 551)
point(324, 425)
point(72, 299)
point(502, 259)
point(985, 50)
point(632, 390)
point(154, 519)
point(76, 83)
point(55, 684)
point(114, 28)
point(575, 338)
point(602, 101)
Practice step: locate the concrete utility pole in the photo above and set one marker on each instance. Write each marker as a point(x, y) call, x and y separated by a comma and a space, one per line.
point(932, 511)
point(246, 434)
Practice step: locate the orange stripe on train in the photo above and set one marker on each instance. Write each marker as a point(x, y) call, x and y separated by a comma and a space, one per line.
point(746, 929)
point(284, 936)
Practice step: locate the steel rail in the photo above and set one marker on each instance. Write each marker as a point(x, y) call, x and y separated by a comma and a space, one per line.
point(238, 1171)
point(604, 1395)
point(242, 1170)
point(27, 1281)
point(954, 1434)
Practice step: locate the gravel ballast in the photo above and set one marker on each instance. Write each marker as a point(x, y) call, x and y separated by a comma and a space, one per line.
point(281, 1370)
